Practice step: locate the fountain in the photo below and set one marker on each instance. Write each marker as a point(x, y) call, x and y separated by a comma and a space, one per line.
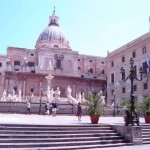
point(49, 78)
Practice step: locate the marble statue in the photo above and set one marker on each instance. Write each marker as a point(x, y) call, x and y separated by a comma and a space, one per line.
point(48, 93)
point(69, 90)
point(82, 97)
point(52, 94)
point(19, 97)
point(102, 97)
point(79, 97)
point(50, 67)
point(4, 96)
point(57, 94)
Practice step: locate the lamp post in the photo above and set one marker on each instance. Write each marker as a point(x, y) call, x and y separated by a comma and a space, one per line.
point(40, 108)
point(133, 116)
point(114, 105)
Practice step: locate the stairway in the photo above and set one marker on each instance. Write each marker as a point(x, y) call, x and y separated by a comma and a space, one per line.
point(146, 133)
point(62, 137)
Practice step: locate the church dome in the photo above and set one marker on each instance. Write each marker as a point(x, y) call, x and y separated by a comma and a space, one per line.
point(52, 36)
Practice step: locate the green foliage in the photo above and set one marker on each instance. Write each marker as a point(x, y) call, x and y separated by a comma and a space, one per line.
point(144, 106)
point(94, 105)
point(125, 103)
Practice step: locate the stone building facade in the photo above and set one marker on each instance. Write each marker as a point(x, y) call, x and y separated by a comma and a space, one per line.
point(26, 69)
point(139, 50)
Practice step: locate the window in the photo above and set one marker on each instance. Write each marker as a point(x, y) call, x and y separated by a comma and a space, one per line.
point(123, 90)
point(133, 54)
point(112, 63)
point(79, 68)
point(30, 64)
point(15, 89)
point(144, 50)
point(112, 78)
point(103, 71)
point(32, 90)
point(56, 46)
point(145, 86)
point(58, 64)
point(44, 35)
point(123, 59)
point(16, 63)
point(0, 64)
point(112, 92)
point(135, 87)
point(123, 75)
point(91, 70)
point(145, 66)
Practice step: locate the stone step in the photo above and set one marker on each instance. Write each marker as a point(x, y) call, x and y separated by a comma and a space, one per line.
point(53, 128)
point(58, 139)
point(146, 142)
point(60, 144)
point(58, 135)
point(72, 147)
point(146, 133)
point(56, 126)
point(146, 139)
point(52, 132)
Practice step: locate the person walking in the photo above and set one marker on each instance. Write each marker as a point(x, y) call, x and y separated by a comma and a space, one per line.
point(28, 107)
point(79, 111)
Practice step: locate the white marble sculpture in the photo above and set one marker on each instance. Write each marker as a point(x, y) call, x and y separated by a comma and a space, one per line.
point(57, 94)
point(69, 90)
point(48, 93)
point(79, 96)
point(102, 97)
point(3, 98)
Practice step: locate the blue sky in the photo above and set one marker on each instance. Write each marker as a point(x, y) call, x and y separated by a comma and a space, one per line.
point(92, 27)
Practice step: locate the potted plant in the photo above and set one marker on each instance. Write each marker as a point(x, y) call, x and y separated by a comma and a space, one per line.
point(144, 107)
point(126, 104)
point(95, 107)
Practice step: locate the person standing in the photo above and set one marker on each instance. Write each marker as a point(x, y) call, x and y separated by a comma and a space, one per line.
point(28, 107)
point(79, 111)
point(47, 108)
point(54, 108)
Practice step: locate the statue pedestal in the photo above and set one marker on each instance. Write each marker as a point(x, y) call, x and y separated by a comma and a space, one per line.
point(132, 133)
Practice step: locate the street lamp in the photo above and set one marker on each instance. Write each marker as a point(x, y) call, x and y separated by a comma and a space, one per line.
point(114, 105)
point(40, 108)
point(133, 116)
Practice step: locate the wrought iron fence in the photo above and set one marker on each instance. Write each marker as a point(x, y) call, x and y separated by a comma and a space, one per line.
point(21, 107)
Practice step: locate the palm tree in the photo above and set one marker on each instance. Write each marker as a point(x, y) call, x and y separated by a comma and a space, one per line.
point(145, 106)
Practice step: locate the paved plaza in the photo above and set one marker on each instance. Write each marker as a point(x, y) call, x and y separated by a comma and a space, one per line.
point(58, 120)
point(66, 120)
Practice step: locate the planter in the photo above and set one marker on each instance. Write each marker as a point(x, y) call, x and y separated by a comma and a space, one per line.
point(94, 119)
point(126, 120)
point(147, 119)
